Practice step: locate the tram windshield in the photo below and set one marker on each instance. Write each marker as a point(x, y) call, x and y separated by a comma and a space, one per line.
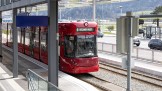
point(86, 46)
point(80, 46)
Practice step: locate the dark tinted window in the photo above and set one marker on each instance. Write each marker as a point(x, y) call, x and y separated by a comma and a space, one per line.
point(80, 46)
point(141, 31)
point(69, 46)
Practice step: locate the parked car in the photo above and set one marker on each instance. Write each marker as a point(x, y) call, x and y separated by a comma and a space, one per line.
point(136, 41)
point(141, 31)
point(100, 34)
point(155, 44)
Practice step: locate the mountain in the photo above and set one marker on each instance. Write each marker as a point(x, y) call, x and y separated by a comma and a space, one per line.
point(110, 10)
point(105, 11)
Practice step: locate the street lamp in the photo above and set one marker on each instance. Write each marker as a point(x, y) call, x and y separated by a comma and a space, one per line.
point(94, 10)
point(120, 10)
point(37, 10)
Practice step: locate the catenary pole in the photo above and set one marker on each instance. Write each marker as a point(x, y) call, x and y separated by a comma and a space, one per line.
point(52, 42)
point(15, 45)
point(129, 29)
point(0, 36)
point(94, 10)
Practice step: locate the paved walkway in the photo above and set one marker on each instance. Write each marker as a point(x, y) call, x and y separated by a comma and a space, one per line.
point(7, 82)
point(139, 64)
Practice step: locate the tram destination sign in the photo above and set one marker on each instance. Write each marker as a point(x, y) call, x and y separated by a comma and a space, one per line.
point(85, 29)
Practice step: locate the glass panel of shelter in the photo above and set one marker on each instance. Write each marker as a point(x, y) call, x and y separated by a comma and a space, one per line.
point(10, 41)
point(4, 33)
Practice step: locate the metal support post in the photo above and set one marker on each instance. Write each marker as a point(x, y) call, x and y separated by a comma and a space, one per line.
point(152, 55)
point(94, 10)
point(159, 32)
point(157, 22)
point(129, 29)
point(15, 44)
point(52, 42)
point(0, 36)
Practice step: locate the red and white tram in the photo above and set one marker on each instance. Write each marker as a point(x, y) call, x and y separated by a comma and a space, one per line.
point(77, 46)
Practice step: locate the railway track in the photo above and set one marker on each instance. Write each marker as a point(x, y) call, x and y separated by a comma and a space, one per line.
point(153, 80)
point(103, 79)
point(99, 83)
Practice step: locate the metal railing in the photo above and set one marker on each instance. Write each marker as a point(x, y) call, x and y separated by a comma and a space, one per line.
point(37, 83)
point(139, 53)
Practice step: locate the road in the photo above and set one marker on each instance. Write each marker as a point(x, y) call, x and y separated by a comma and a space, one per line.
point(142, 52)
point(112, 40)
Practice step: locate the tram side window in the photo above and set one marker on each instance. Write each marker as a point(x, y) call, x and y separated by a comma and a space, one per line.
point(36, 38)
point(23, 34)
point(10, 34)
point(44, 38)
point(19, 35)
point(69, 46)
point(27, 37)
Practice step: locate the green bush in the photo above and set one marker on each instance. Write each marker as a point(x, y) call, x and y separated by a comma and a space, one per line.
point(5, 32)
point(110, 28)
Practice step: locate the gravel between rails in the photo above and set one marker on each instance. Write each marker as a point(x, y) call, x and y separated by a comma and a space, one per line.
point(99, 83)
point(110, 77)
point(140, 81)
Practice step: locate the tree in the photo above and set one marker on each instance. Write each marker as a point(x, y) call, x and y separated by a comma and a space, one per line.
point(157, 10)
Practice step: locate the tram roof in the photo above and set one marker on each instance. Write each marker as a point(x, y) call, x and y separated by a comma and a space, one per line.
point(150, 16)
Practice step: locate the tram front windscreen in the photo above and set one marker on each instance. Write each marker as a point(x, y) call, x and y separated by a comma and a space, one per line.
point(80, 46)
point(86, 46)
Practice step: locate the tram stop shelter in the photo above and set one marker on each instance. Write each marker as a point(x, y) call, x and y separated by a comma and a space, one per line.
point(16, 5)
point(152, 29)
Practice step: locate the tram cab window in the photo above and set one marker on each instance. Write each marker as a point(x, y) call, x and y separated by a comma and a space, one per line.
point(86, 46)
point(69, 46)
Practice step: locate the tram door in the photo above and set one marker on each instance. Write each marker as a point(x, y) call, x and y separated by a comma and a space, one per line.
point(21, 39)
point(43, 45)
point(29, 41)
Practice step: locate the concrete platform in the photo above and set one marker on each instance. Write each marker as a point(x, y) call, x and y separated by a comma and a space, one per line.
point(7, 82)
point(139, 64)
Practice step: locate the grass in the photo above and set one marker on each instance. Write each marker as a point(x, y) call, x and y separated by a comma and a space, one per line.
point(107, 32)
